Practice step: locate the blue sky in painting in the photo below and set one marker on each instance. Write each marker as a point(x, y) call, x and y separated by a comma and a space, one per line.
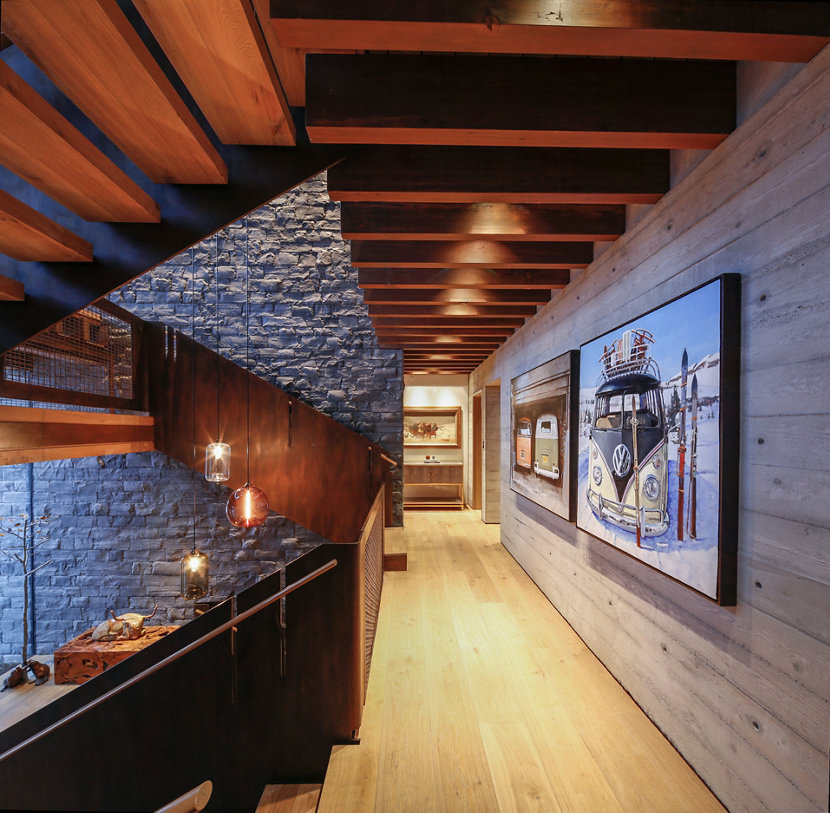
point(691, 322)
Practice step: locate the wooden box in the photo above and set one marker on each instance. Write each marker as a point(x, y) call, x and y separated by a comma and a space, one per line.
point(82, 658)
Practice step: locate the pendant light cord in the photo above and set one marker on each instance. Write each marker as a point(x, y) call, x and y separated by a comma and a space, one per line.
point(218, 371)
point(193, 380)
point(247, 359)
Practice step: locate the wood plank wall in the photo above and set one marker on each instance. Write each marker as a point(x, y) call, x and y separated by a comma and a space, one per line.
point(742, 692)
point(491, 410)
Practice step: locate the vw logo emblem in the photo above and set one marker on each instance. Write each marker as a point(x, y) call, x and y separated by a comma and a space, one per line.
point(621, 460)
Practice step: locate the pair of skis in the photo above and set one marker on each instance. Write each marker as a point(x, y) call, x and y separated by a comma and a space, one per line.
point(681, 455)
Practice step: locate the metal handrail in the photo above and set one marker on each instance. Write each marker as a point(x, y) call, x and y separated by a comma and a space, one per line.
point(237, 619)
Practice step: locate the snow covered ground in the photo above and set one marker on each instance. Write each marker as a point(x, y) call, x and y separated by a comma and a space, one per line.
point(694, 562)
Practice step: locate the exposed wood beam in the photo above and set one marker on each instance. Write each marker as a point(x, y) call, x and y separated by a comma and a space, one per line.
point(26, 234)
point(444, 342)
point(220, 53)
point(425, 330)
point(494, 221)
point(501, 174)
point(518, 101)
point(511, 279)
point(450, 309)
point(454, 254)
point(42, 147)
point(289, 62)
point(455, 296)
point(75, 43)
point(384, 322)
point(752, 30)
point(11, 290)
point(29, 435)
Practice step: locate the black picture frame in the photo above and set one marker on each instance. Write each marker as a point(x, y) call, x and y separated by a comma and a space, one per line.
point(543, 404)
point(679, 520)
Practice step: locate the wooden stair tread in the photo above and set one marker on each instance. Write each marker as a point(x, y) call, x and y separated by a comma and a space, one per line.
point(289, 799)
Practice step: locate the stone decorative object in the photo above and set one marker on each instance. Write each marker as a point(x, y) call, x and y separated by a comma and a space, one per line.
point(82, 658)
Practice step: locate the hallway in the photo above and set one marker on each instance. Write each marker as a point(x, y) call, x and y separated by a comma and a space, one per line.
point(482, 698)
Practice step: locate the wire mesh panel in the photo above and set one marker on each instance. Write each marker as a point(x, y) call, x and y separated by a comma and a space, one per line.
point(373, 586)
point(89, 352)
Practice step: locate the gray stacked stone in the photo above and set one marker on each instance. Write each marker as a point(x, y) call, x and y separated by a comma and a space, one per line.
point(122, 523)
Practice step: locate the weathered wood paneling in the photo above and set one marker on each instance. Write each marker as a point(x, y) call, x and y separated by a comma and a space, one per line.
point(742, 692)
point(491, 505)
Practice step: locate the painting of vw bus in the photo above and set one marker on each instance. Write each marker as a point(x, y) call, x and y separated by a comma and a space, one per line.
point(543, 406)
point(651, 445)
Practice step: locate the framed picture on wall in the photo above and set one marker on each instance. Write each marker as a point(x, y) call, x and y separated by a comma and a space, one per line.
point(432, 426)
point(658, 438)
point(542, 417)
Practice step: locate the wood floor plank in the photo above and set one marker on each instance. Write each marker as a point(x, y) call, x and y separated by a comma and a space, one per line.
point(482, 698)
point(289, 799)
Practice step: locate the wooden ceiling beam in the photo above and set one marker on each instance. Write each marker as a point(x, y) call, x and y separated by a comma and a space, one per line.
point(493, 221)
point(468, 100)
point(488, 278)
point(444, 322)
point(11, 290)
point(426, 330)
point(484, 253)
point(418, 309)
point(501, 175)
point(219, 51)
point(445, 343)
point(751, 30)
point(91, 51)
point(42, 147)
point(27, 235)
point(456, 297)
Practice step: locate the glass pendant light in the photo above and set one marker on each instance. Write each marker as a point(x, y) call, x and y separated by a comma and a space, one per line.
point(247, 506)
point(194, 567)
point(217, 453)
point(195, 575)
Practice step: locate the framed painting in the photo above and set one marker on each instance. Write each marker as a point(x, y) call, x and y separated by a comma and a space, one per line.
point(432, 426)
point(658, 438)
point(543, 407)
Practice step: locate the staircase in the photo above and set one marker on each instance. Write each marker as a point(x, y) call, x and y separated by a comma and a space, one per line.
point(108, 167)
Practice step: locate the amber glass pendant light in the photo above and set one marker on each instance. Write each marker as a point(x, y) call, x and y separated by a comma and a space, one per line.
point(217, 453)
point(194, 566)
point(248, 506)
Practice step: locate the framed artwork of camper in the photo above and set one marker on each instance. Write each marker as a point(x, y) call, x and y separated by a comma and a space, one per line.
point(658, 438)
point(542, 416)
point(432, 426)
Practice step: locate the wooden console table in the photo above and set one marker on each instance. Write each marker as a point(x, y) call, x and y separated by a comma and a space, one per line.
point(438, 475)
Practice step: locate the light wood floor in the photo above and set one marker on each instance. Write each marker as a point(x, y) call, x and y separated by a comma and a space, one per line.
point(482, 698)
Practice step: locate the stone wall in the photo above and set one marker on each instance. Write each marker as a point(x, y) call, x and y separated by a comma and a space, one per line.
point(122, 523)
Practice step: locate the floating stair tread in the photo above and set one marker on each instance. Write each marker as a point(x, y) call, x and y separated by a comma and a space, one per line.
point(289, 799)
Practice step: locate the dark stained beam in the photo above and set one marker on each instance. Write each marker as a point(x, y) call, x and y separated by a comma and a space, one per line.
point(501, 175)
point(450, 309)
point(494, 221)
point(455, 296)
point(444, 342)
point(426, 330)
point(518, 101)
point(511, 279)
point(454, 254)
point(752, 30)
point(384, 322)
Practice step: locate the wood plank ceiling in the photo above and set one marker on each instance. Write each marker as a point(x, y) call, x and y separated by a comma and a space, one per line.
point(492, 146)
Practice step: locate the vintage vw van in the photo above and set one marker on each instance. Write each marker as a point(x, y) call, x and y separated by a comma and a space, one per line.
point(524, 439)
point(546, 459)
point(629, 385)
